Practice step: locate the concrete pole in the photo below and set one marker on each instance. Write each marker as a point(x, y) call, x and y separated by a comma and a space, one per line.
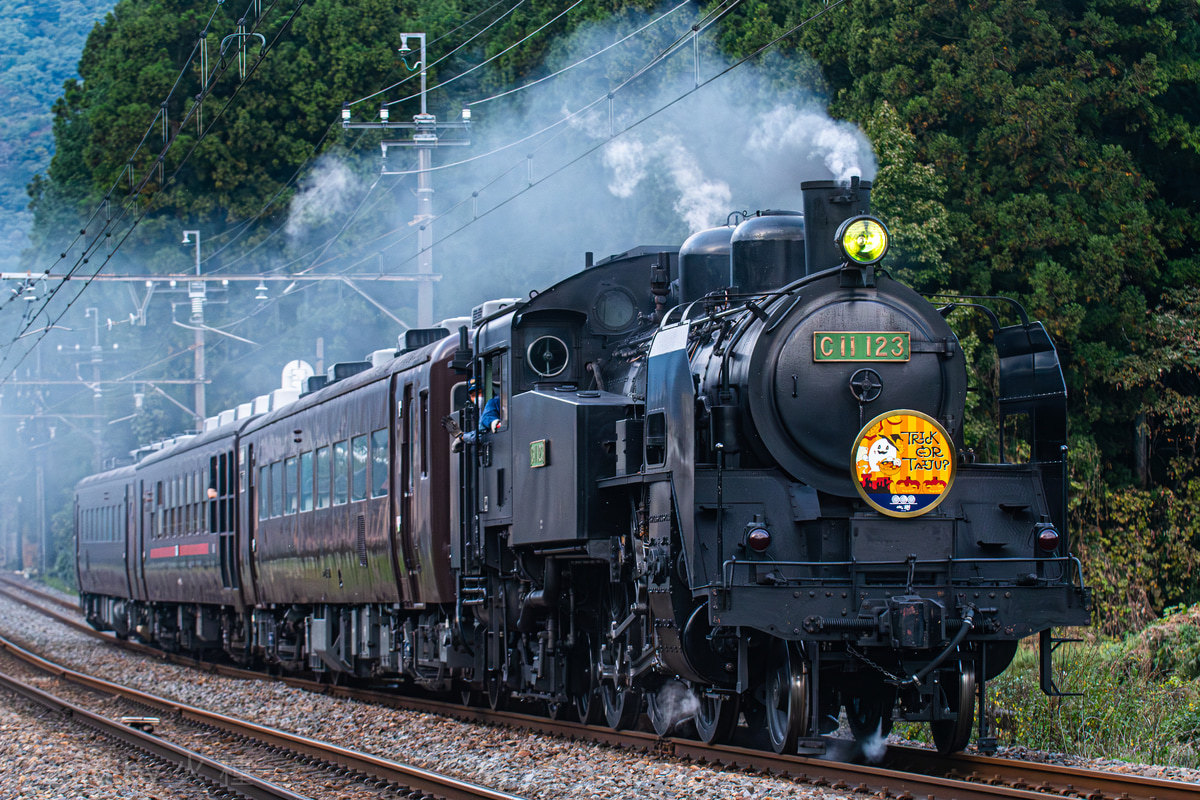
point(196, 293)
point(424, 236)
point(97, 395)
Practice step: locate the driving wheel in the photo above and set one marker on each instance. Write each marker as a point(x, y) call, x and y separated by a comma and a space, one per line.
point(717, 716)
point(787, 697)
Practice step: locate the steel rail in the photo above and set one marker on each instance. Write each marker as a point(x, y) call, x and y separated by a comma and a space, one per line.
point(414, 778)
point(915, 771)
point(210, 770)
point(27, 586)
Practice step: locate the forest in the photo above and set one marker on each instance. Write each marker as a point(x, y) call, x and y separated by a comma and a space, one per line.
point(39, 49)
point(1043, 150)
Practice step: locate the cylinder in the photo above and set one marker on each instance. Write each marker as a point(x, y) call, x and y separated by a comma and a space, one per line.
point(827, 204)
point(768, 251)
point(704, 263)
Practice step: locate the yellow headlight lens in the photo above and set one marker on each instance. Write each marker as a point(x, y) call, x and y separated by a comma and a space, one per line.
point(864, 240)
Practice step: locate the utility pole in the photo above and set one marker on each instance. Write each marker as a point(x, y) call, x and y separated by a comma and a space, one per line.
point(425, 139)
point(97, 392)
point(197, 294)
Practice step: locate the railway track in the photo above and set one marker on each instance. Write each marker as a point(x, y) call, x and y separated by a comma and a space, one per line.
point(904, 772)
point(211, 771)
point(229, 752)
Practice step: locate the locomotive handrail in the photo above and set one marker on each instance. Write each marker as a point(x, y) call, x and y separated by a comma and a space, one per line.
point(1000, 298)
point(730, 565)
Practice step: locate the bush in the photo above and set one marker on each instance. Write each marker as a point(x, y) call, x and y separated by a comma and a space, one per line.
point(1140, 702)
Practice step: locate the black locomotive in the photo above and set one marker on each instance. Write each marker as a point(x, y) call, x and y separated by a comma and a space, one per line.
point(731, 474)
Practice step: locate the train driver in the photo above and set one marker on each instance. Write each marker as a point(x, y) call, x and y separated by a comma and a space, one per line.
point(489, 418)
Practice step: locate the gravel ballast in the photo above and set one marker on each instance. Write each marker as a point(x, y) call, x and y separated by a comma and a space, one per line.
point(528, 764)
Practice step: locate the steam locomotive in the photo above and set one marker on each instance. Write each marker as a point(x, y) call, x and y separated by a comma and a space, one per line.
point(731, 473)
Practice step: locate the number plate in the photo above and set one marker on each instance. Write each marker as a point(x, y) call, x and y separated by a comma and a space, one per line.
point(861, 346)
point(538, 453)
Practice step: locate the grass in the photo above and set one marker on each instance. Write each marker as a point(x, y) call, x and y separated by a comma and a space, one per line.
point(1140, 702)
point(1126, 712)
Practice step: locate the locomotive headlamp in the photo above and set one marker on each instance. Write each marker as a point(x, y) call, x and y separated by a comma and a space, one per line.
point(863, 240)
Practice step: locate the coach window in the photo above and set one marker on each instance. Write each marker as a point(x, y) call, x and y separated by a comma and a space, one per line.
point(379, 463)
point(323, 477)
point(198, 499)
point(264, 492)
point(358, 459)
point(341, 471)
point(306, 481)
point(277, 489)
point(493, 385)
point(424, 433)
point(289, 485)
point(222, 490)
point(160, 512)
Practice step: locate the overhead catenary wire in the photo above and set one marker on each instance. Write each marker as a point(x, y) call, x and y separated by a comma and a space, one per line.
point(581, 61)
point(762, 49)
point(148, 207)
point(243, 226)
point(136, 192)
point(484, 63)
point(625, 130)
point(413, 73)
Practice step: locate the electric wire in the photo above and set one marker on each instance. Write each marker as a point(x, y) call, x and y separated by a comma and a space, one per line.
point(587, 152)
point(245, 224)
point(484, 63)
point(84, 256)
point(148, 207)
point(414, 72)
point(582, 61)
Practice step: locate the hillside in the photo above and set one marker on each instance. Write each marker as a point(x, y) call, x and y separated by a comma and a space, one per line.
point(40, 45)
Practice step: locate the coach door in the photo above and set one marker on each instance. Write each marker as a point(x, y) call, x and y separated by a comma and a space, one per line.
point(135, 532)
point(405, 491)
point(249, 516)
point(494, 457)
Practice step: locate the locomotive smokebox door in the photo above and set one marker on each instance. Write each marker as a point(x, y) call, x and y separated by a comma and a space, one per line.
point(559, 453)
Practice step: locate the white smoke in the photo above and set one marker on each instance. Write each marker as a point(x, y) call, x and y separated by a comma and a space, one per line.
point(627, 159)
point(874, 746)
point(787, 135)
point(677, 703)
point(328, 193)
point(699, 200)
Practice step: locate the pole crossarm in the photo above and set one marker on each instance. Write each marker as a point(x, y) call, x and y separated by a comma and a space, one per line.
point(37, 276)
point(115, 382)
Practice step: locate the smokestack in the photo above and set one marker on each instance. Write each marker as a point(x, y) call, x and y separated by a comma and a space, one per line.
point(827, 204)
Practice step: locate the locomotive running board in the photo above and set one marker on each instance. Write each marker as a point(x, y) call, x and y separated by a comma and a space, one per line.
point(1048, 644)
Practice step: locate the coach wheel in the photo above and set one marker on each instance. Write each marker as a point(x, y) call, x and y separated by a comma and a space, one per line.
point(787, 697)
point(496, 694)
point(954, 708)
point(471, 698)
point(717, 716)
point(671, 708)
